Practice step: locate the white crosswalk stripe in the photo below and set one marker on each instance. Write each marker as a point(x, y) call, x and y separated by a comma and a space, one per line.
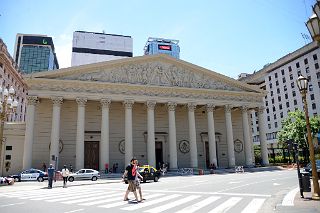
point(156, 202)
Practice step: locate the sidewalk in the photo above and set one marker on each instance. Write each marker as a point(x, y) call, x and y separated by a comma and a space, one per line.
point(306, 204)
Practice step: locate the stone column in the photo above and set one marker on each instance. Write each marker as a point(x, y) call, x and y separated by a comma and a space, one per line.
point(104, 144)
point(211, 135)
point(55, 130)
point(172, 136)
point(263, 137)
point(230, 143)
point(128, 104)
point(28, 140)
point(80, 133)
point(151, 150)
point(192, 136)
point(246, 136)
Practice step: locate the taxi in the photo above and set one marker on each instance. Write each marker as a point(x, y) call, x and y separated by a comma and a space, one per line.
point(149, 173)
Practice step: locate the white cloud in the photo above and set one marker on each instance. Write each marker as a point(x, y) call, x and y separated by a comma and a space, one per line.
point(63, 46)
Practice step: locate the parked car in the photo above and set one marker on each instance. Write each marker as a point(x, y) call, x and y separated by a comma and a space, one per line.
point(30, 174)
point(309, 169)
point(84, 174)
point(6, 181)
point(148, 173)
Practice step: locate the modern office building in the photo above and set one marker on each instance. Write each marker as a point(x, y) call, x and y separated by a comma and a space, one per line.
point(10, 76)
point(162, 46)
point(91, 47)
point(279, 80)
point(35, 53)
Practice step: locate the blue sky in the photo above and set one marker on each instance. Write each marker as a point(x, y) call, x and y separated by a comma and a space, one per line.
point(226, 36)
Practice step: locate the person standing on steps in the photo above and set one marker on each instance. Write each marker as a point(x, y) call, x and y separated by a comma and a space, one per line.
point(130, 172)
point(65, 174)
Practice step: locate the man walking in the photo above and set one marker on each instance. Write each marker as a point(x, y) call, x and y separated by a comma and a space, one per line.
point(130, 172)
point(50, 176)
point(65, 174)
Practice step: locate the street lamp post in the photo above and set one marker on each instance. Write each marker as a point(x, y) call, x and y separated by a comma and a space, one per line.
point(7, 106)
point(302, 83)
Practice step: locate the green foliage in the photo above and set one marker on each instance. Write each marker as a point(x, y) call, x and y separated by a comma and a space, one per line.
point(294, 127)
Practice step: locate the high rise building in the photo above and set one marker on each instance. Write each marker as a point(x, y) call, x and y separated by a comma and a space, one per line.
point(35, 53)
point(91, 47)
point(162, 46)
point(279, 80)
point(10, 76)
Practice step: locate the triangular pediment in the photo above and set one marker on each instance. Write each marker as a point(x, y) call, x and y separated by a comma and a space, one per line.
point(157, 70)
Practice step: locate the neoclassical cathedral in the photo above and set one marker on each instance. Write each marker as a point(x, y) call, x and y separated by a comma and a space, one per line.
point(156, 108)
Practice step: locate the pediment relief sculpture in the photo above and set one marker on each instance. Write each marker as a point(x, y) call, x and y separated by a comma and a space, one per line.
point(154, 73)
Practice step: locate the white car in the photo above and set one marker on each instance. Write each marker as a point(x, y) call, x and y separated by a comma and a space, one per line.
point(84, 174)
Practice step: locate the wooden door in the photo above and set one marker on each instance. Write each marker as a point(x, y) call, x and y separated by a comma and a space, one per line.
point(91, 155)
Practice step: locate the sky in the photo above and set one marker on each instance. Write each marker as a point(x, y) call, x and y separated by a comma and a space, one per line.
point(226, 36)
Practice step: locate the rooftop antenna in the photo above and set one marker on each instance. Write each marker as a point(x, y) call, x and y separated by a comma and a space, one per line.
point(305, 37)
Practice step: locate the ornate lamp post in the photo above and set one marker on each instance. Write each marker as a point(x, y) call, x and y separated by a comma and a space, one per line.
point(7, 106)
point(302, 83)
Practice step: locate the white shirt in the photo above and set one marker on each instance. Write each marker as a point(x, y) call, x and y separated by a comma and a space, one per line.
point(65, 172)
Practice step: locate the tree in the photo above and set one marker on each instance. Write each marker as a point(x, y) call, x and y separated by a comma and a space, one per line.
point(294, 127)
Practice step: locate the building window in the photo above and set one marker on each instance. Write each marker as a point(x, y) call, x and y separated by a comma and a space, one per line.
point(295, 102)
point(269, 78)
point(283, 80)
point(274, 108)
point(316, 65)
point(277, 83)
point(276, 75)
point(310, 87)
point(269, 126)
point(314, 106)
point(299, 72)
point(268, 118)
point(275, 124)
point(8, 157)
point(275, 116)
point(285, 87)
point(305, 61)
point(272, 100)
point(292, 84)
point(279, 98)
point(297, 65)
point(286, 96)
point(315, 57)
point(267, 110)
point(290, 69)
point(8, 148)
point(282, 72)
point(280, 106)
point(270, 85)
point(294, 93)
point(257, 129)
point(318, 75)
point(271, 93)
point(278, 90)
point(287, 104)
point(281, 114)
point(312, 96)
point(307, 70)
point(291, 76)
point(266, 103)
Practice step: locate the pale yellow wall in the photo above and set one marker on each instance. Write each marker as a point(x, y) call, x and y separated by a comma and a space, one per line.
point(14, 136)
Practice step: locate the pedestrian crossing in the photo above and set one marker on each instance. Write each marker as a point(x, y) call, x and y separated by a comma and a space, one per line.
point(156, 202)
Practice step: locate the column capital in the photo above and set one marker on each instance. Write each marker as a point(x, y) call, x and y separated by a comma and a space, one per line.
point(32, 100)
point(227, 108)
point(210, 107)
point(128, 103)
point(192, 106)
point(244, 109)
point(81, 101)
point(57, 101)
point(151, 104)
point(172, 106)
point(105, 102)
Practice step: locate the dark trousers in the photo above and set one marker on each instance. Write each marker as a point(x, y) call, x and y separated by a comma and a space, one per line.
point(50, 179)
point(65, 180)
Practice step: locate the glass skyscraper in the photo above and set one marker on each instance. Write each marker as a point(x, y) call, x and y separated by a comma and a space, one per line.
point(35, 53)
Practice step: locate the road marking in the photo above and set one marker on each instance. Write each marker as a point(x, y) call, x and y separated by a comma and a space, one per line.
point(77, 210)
point(100, 201)
point(149, 203)
point(289, 198)
point(224, 207)
point(12, 204)
point(276, 184)
point(199, 205)
point(173, 204)
point(254, 205)
point(232, 182)
point(92, 198)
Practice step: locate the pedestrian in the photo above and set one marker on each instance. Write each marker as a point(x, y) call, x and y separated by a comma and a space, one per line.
point(71, 169)
point(44, 167)
point(130, 173)
point(115, 168)
point(50, 176)
point(137, 180)
point(65, 174)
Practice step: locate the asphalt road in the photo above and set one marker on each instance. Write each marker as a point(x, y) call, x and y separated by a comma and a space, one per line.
point(247, 192)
